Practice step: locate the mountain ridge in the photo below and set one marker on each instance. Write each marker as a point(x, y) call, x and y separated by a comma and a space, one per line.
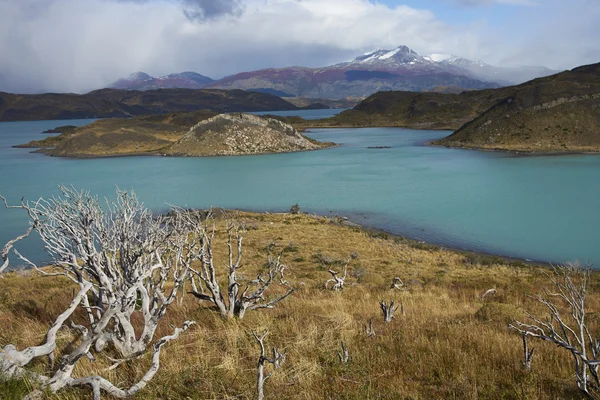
point(397, 69)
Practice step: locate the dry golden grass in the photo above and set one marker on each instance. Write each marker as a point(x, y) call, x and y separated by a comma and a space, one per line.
point(450, 345)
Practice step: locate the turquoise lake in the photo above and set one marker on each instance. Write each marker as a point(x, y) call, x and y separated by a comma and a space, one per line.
point(537, 208)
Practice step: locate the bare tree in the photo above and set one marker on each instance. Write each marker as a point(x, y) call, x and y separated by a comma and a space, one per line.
point(369, 328)
point(338, 281)
point(388, 311)
point(343, 355)
point(128, 264)
point(240, 297)
point(277, 361)
point(397, 284)
point(566, 325)
point(9, 246)
point(527, 355)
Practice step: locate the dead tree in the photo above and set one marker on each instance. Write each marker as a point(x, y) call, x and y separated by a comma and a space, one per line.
point(277, 361)
point(238, 297)
point(338, 281)
point(128, 264)
point(388, 311)
point(566, 324)
point(343, 355)
point(397, 284)
point(527, 355)
point(369, 329)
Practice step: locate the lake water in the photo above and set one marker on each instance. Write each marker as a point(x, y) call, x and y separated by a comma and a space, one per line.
point(539, 208)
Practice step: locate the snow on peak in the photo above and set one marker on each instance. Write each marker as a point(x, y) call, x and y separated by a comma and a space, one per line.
point(389, 54)
point(369, 53)
point(437, 57)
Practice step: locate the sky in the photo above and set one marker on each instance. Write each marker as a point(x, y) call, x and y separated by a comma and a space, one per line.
point(81, 45)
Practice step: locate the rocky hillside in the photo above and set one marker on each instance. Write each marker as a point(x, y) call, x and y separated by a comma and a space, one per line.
point(200, 133)
point(110, 103)
point(236, 134)
point(557, 113)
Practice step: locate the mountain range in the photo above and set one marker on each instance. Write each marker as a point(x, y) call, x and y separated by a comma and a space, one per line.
point(378, 70)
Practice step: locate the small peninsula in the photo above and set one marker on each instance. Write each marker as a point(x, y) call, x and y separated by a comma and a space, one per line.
point(200, 133)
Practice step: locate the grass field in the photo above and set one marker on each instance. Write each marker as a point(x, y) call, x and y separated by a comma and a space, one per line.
point(450, 344)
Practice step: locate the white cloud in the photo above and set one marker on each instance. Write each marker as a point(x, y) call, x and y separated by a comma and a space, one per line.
point(65, 45)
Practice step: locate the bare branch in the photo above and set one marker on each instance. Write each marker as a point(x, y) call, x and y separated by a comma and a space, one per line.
point(238, 297)
point(369, 329)
point(343, 354)
point(277, 361)
point(566, 324)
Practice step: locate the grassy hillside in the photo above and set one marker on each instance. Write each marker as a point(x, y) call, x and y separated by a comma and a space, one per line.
point(110, 103)
point(451, 344)
point(415, 110)
point(557, 113)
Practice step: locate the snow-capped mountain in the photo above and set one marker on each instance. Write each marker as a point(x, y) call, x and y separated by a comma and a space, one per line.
point(377, 70)
point(143, 81)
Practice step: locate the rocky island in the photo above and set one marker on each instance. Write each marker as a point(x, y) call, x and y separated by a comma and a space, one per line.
point(201, 133)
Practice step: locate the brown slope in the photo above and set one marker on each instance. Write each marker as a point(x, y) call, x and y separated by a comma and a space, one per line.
point(557, 113)
point(108, 103)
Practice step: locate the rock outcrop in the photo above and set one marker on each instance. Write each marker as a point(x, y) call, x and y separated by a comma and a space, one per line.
point(237, 134)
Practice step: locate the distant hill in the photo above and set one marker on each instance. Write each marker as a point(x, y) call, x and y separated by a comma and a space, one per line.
point(556, 113)
point(107, 103)
point(199, 133)
point(143, 81)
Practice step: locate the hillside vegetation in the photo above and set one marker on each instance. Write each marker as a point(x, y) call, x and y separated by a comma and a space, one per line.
point(557, 113)
point(451, 343)
point(111, 103)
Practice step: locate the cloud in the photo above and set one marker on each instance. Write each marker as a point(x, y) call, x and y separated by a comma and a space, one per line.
point(66, 45)
point(199, 10)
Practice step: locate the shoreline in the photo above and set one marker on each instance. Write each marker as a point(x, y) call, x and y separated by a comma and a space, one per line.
point(523, 153)
point(382, 233)
point(41, 150)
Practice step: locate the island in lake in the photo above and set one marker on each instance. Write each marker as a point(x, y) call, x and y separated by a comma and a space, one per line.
point(201, 133)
